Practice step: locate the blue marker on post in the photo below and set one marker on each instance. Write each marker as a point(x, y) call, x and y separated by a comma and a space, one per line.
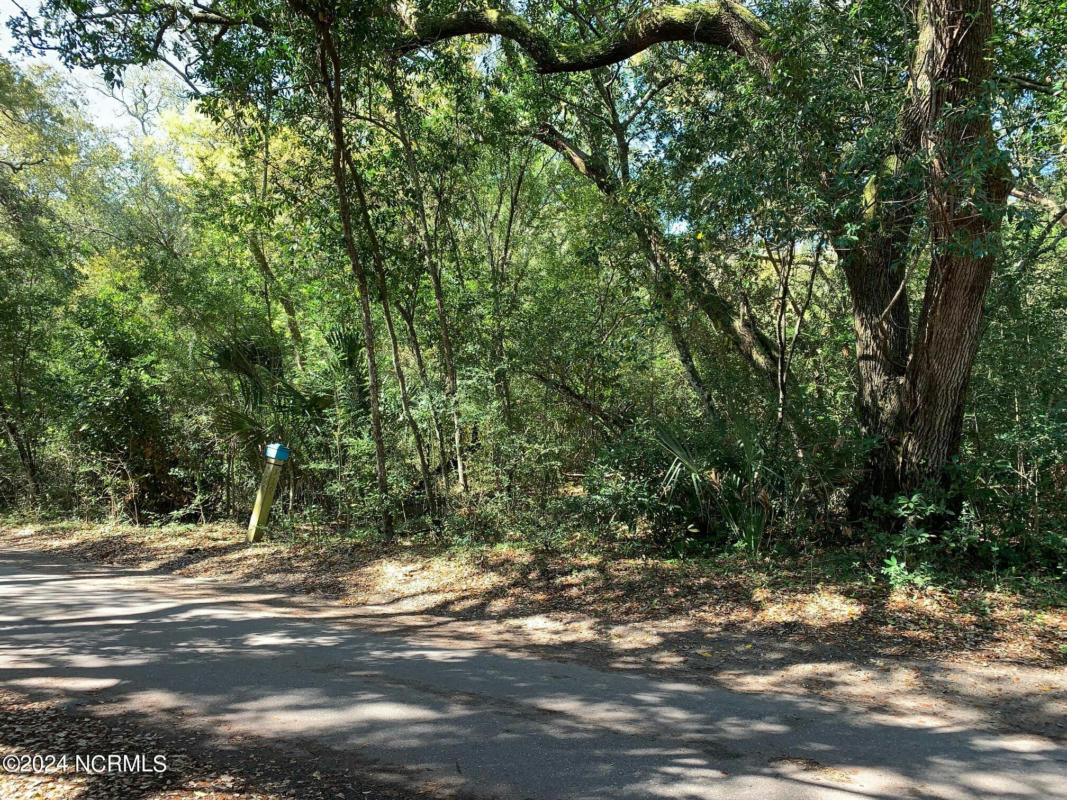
point(277, 454)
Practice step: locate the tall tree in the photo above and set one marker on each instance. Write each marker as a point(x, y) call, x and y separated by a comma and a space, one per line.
point(939, 164)
point(911, 392)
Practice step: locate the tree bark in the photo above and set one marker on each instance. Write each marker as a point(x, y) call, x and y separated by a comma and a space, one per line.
point(912, 391)
point(331, 76)
point(723, 24)
point(408, 315)
point(967, 187)
point(877, 285)
point(433, 268)
point(260, 257)
point(398, 367)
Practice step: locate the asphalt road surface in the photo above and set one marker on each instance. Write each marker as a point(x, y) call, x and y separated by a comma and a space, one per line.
point(483, 722)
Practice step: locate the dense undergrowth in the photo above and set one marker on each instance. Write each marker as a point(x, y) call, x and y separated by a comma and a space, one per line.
point(612, 313)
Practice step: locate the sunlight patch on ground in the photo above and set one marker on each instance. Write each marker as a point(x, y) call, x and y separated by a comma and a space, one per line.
point(629, 604)
point(822, 608)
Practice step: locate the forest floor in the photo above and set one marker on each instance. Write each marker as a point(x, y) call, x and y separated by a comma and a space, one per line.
point(194, 771)
point(977, 656)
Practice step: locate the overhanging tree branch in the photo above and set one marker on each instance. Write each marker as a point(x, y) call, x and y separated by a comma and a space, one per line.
point(723, 24)
point(18, 166)
point(739, 329)
point(613, 420)
point(584, 164)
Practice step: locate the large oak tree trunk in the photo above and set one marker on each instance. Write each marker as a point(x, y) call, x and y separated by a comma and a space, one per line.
point(880, 318)
point(967, 186)
point(912, 397)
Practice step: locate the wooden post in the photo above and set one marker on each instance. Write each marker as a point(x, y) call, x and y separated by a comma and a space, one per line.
point(277, 455)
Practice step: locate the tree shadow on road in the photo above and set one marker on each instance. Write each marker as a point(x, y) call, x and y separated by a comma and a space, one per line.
point(161, 760)
point(735, 630)
point(496, 717)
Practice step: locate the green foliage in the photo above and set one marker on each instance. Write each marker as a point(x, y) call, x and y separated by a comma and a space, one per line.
point(704, 492)
point(570, 310)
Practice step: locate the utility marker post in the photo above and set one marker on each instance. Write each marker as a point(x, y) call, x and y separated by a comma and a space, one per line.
point(277, 455)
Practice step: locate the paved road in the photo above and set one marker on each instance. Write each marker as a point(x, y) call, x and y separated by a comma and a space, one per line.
point(488, 722)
